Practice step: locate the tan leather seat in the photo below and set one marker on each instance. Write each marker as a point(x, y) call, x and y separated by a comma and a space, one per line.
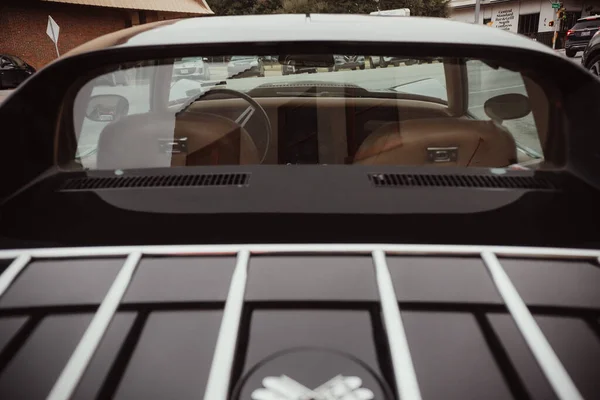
point(137, 141)
point(428, 142)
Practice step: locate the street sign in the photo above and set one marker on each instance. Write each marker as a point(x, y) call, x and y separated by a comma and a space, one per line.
point(53, 30)
point(556, 6)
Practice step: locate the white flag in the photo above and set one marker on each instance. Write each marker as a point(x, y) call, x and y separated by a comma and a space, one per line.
point(53, 30)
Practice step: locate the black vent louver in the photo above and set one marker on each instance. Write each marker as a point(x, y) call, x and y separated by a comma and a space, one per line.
point(466, 181)
point(155, 181)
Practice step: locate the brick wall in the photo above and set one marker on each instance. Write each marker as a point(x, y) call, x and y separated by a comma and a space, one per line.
point(23, 27)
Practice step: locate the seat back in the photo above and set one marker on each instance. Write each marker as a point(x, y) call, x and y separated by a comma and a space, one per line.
point(441, 142)
point(163, 140)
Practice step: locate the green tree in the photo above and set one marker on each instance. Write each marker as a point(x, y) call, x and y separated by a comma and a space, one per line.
point(419, 8)
point(232, 7)
point(266, 6)
point(431, 8)
point(303, 6)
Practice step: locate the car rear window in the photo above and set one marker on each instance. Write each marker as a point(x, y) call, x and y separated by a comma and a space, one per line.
point(591, 23)
point(392, 110)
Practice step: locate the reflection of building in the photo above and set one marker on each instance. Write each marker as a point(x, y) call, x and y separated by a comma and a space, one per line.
point(23, 22)
point(527, 17)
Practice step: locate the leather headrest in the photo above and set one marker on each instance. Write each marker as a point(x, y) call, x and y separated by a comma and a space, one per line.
point(507, 106)
point(133, 142)
point(138, 141)
point(440, 142)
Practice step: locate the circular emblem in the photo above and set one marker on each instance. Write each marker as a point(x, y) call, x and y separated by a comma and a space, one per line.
point(311, 374)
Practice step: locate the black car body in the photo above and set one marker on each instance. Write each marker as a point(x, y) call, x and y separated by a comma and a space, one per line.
point(591, 55)
point(13, 71)
point(580, 34)
point(202, 273)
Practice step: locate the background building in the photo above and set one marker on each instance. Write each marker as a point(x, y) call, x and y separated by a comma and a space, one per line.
point(527, 17)
point(23, 22)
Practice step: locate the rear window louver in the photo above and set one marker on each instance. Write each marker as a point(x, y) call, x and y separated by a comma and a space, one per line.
point(156, 181)
point(464, 181)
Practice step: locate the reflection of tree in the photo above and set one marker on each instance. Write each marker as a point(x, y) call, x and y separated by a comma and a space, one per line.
point(432, 8)
point(303, 6)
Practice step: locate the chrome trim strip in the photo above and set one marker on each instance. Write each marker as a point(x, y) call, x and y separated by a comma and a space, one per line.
point(219, 378)
point(70, 376)
point(12, 271)
point(404, 371)
point(548, 361)
point(183, 250)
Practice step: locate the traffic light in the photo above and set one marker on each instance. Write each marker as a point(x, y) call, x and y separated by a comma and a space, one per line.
point(561, 13)
point(551, 23)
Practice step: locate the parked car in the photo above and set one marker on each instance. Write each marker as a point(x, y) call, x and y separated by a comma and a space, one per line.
point(13, 71)
point(195, 68)
point(243, 66)
point(580, 34)
point(381, 235)
point(271, 60)
point(289, 67)
point(348, 62)
point(384, 62)
point(591, 55)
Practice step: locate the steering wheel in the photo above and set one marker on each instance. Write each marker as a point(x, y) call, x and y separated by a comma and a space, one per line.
point(244, 117)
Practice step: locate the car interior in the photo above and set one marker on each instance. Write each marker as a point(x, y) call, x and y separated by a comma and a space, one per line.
point(317, 122)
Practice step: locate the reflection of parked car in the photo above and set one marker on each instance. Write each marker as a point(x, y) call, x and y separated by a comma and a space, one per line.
point(13, 71)
point(383, 62)
point(271, 59)
point(289, 67)
point(242, 66)
point(580, 34)
point(115, 78)
point(348, 62)
point(591, 56)
point(191, 68)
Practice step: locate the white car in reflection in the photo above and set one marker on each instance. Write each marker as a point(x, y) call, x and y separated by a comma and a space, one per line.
point(348, 62)
point(243, 66)
point(384, 62)
point(195, 68)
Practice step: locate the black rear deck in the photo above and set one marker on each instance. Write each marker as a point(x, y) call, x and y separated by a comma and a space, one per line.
point(308, 315)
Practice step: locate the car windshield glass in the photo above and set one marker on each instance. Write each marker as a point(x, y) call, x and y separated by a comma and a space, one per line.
point(309, 109)
point(594, 23)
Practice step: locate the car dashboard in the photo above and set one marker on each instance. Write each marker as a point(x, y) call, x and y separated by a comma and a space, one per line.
point(319, 130)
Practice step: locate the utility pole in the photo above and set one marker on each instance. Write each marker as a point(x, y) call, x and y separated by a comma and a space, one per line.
point(555, 36)
point(558, 17)
point(477, 8)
